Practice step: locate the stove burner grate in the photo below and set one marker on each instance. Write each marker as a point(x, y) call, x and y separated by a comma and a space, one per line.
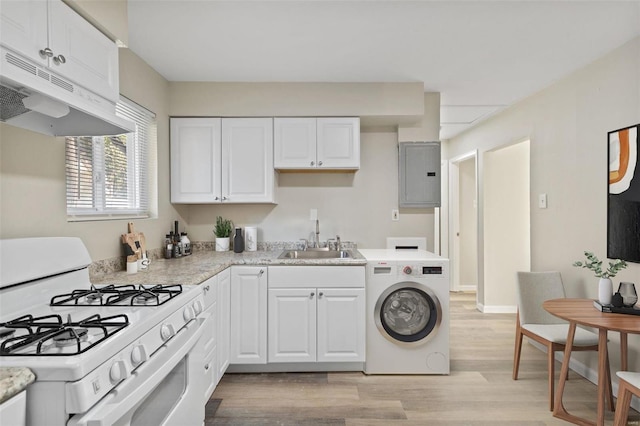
point(121, 295)
point(50, 329)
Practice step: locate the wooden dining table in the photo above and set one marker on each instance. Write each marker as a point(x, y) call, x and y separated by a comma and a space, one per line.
point(582, 312)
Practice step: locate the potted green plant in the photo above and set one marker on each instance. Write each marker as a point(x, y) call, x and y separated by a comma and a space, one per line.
point(223, 232)
point(605, 286)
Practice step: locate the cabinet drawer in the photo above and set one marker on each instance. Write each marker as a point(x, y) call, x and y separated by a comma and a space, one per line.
point(316, 276)
point(210, 373)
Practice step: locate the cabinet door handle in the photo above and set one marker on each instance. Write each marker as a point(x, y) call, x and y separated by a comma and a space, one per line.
point(319, 163)
point(311, 295)
point(313, 163)
point(59, 59)
point(224, 198)
point(261, 272)
point(320, 295)
point(46, 52)
point(217, 198)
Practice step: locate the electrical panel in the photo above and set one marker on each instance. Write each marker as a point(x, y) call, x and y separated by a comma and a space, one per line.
point(419, 169)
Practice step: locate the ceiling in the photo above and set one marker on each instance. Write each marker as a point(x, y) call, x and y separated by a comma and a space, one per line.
point(482, 56)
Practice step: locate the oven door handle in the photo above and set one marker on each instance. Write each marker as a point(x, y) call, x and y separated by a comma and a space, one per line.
point(123, 400)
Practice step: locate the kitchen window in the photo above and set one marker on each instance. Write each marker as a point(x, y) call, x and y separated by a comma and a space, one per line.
point(108, 176)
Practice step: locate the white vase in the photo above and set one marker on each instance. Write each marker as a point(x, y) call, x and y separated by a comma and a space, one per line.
point(222, 244)
point(605, 291)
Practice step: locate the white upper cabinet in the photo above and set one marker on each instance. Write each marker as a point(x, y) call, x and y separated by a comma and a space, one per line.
point(228, 160)
point(195, 160)
point(51, 34)
point(247, 166)
point(317, 143)
point(339, 143)
point(294, 142)
point(23, 28)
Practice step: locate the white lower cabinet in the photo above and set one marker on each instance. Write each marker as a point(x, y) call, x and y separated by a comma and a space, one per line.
point(248, 315)
point(292, 325)
point(341, 325)
point(223, 322)
point(316, 314)
point(13, 412)
point(208, 344)
point(316, 324)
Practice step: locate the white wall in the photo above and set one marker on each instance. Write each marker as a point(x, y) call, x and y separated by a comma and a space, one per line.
point(506, 224)
point(567, 125)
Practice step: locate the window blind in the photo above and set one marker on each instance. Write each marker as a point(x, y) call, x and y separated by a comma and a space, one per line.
point(108, 176)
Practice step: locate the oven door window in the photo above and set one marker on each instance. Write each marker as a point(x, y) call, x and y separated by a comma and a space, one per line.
point(157, 406)
point(408, 313)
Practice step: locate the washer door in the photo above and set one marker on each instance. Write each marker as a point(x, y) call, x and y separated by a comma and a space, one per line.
point(408, 313)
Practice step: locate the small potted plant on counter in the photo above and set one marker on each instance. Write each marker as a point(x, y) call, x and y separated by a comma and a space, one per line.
point(223, 232)
point(605, 286)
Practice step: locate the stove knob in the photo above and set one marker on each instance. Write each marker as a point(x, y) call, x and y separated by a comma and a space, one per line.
point(166, 331)
point(117, 372)
point(188, 314)
point(197, 307)
point(138, 355)
point(407, 270)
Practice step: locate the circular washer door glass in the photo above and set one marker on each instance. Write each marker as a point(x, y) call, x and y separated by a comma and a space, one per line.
point(409, 315)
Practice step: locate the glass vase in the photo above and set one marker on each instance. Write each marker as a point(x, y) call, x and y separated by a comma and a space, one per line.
point(628, 293)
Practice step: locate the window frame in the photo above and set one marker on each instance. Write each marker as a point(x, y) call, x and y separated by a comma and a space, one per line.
point(139, 180)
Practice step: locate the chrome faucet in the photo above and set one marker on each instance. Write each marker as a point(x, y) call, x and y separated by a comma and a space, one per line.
point(337, 244)
point(305, 244)
point(317, 233)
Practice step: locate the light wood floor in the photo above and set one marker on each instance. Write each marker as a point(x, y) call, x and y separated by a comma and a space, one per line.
point(479, 391)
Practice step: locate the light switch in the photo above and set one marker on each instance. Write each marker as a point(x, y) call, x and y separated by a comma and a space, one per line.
point(395, 215)
point(542, 201)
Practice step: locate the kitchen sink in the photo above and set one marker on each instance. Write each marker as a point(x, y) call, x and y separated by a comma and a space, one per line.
point(315, 254)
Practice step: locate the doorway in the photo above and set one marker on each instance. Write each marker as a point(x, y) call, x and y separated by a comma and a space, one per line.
point(463, 178)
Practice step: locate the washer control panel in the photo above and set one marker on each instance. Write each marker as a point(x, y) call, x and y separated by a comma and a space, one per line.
point(422, 270)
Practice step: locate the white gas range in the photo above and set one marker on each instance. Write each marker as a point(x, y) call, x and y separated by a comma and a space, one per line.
point(107, 355)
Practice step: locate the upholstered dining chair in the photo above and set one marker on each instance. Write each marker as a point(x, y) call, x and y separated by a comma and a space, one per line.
point(533, 288)
point(628, 385)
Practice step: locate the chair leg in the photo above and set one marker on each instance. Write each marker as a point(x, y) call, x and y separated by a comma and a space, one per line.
point(552, 372)
point(624, 402)
point(516, 352)
point(609, 389)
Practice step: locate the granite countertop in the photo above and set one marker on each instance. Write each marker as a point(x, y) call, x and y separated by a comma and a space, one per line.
point(202, 265)
point(13, 380)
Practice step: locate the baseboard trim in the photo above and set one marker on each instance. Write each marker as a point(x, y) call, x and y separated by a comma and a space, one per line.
point(496, 309)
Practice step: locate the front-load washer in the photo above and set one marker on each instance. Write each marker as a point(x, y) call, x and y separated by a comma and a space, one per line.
point(407, 311)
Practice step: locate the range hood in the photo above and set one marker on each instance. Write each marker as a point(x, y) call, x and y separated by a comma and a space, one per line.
point(34, 98)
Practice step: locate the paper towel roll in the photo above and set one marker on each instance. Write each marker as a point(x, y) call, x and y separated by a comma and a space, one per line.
point(250, 238)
